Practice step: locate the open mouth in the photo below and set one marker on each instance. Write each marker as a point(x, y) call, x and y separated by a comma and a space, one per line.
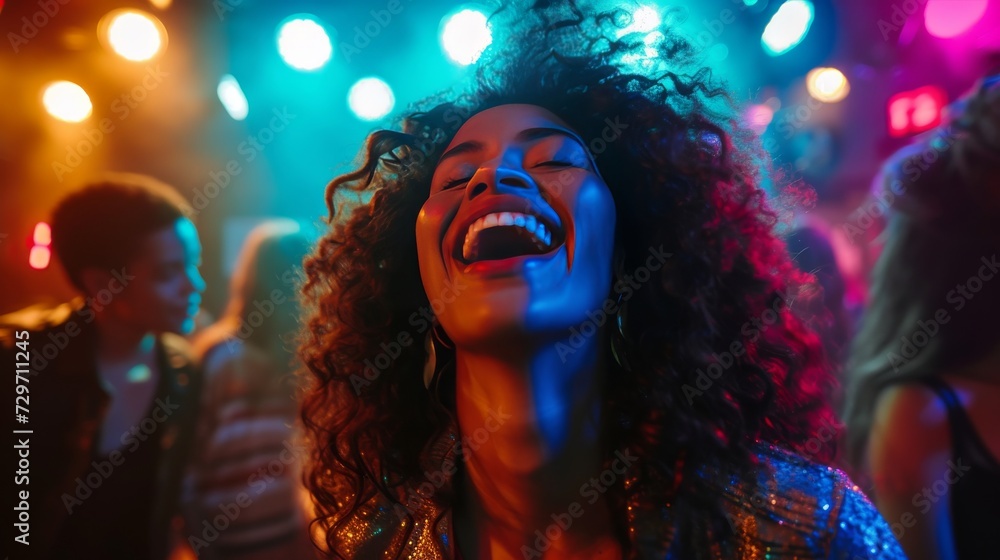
point(502, 235)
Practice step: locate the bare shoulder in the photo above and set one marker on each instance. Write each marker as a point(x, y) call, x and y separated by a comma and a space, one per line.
point(909, 439)
point(908, 410)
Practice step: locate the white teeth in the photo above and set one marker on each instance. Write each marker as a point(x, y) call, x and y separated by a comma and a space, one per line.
point(529, 223)
point(540, 232)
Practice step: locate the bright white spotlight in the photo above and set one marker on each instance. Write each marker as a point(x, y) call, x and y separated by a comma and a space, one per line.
point(371, 99)
point(135, 35)
point(787, 27)
point(304, 44)
point(465, 36)
point(67, 101)
point(232, 97)
point(828, 85)
point(644, 20)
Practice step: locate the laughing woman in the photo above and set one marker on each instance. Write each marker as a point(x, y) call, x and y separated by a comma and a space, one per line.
point(561, 327)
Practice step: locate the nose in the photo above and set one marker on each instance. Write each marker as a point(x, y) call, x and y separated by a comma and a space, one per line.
point(498, 180)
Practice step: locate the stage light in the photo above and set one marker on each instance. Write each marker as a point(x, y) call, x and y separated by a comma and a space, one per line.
point(644, 20)
point(914, 111)
point(161, 4)
point(41, 252)
point(39, 257)
point(465, 35)
point(303, 43)
point(42, 234)
point(134, 35)
point(232, 97)
point(371, 99)
point(787, 27)
point(828, 85)
point(950, 19)
point(67, 101)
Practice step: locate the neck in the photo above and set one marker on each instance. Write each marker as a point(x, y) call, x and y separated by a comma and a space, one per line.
point(531, 422)
point(121, 342)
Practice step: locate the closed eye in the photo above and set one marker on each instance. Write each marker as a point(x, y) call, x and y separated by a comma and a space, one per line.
point(451, 183)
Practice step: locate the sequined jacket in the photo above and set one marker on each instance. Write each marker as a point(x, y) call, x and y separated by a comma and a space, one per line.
point(799, 509)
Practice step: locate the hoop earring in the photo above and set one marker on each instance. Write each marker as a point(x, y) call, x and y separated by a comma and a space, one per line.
point(619, 340)
point(434, 343)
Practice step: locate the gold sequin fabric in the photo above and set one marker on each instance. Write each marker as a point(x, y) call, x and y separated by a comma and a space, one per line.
point(798, 510)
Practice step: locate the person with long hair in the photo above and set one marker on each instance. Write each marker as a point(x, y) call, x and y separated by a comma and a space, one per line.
point(924, 395)
point(561, 326)
point(250, 459)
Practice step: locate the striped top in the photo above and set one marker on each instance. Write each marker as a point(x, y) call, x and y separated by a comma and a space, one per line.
point(248, 499)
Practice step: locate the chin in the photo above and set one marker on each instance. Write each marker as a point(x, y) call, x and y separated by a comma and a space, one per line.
point(506, 314)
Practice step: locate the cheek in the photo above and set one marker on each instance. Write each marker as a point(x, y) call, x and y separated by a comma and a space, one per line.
point(156, 293)
point(594, 216)
point(432, 222)
point(429, 229)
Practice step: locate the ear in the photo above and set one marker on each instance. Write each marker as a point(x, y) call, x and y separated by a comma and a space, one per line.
point(94, 279)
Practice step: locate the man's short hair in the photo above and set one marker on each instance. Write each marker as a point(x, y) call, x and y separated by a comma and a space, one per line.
point(103, 224)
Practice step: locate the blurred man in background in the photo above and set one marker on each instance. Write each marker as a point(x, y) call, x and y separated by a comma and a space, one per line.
point(114, 391)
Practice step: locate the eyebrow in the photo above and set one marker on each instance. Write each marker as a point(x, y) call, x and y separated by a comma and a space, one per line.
point(525, 135)
point(463, 148)
point(545, 132)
